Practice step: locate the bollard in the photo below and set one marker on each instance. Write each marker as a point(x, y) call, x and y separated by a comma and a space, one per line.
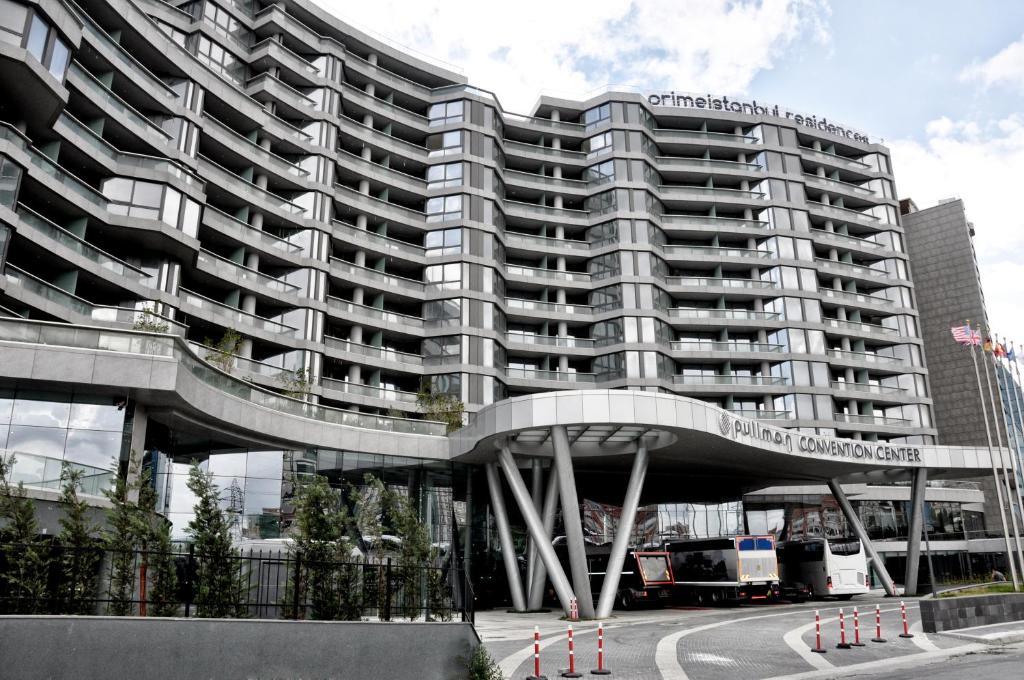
point(600, 670)
point(536, 657)
point(571, 673)
point(878, 625)
point(817, 634)
point(843, 644)
point(574, 610)
point(903, 613)
point(856, 629)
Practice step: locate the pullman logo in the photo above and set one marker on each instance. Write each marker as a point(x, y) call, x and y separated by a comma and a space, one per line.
point(725, 423)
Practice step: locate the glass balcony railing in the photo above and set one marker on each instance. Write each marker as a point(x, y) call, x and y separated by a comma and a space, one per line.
point(865, 357)
point(869, 419)
point(550, 152)
point(863, 298)
point(125, 112)
point(268, 159)
point(834, 159)
point(758, 414)
point(232, 270)
point(134, 342)
point(869, 388)
point(553, 274)
point(233, 314)
point(514, 238)
point(340, 307)
point(719, 223)
point(549, 307)
point(568, 342)
point(851, 269)
point(258, 195)
point(668, 134)
point(382, 353)
point(348, 269)
point(672, 190)
point(46, 229)
point(737, 346)
point(377, 241)
point(861, 326)
point(840, 186)
point(682, 379)
point(705, 313)
point(522, 373)
point(715, 251)
point(715, 282)
point(705, 164)
point(374, 392)
point(842, 213)
point(846, 240)
point(221, 221)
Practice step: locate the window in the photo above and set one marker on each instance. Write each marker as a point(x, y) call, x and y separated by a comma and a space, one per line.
point(219, 60)
point(443, 208)
point(225, 24)
point(447, 276)
point(447, 175)
point(443, 242)
point(596, 116)
point(36, 35)
point(600, 173)
point(598, 145)
point(10, 177)
point(152, 201)
point(445, 144)
point(443, 114)
point(442, 350)
point(443, 313)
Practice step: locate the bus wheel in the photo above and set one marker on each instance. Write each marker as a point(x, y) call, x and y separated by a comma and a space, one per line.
point(625, 601)
point(716, 596)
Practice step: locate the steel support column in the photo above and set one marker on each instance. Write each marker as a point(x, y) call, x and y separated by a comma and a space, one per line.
point(535, 597)
point(914, 532)
point(618, 554)
point(571, 520)
point(508, 551)
point(537, 484)
point(533, 523)
point(854, 521)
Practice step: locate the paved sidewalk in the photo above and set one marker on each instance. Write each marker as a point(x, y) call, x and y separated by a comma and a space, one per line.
point(992, 634)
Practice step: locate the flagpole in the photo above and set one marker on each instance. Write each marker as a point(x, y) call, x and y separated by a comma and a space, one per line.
point(998, 403)
point(1014, 405)
point(995, 475)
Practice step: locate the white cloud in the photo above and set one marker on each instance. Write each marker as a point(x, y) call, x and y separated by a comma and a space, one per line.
point(531, 48)
point(1003, 68)
point(980, 162)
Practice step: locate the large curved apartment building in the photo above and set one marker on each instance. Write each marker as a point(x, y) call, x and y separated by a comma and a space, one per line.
point(237, 226)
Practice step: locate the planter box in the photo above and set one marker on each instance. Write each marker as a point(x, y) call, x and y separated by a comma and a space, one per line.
point(951, 613)
point(104, 647)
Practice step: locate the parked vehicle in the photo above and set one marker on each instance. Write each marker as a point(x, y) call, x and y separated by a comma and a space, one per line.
point(795, 591)
point(832, 567)
point(729, 569)
point(646, 577)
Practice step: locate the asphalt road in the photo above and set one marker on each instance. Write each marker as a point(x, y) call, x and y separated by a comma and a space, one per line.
point(996, 663)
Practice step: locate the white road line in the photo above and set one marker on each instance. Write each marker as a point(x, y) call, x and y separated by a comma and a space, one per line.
point(914, 660)
point(794, 639)
point(921, 639)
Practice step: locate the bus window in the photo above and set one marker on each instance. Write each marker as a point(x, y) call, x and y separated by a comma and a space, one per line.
point(844, 546)
point(764, 543)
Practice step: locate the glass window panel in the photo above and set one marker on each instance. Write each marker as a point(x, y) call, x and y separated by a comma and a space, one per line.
point(228, 465)
point(118, 189)
point(96, 415)
point(37, 32)
point(264, 465)
point(172, 205)
point(42, 409)
point(47, 442)
point(93, 448)
point(59, 59)
point(147, 194)
point(190, 220)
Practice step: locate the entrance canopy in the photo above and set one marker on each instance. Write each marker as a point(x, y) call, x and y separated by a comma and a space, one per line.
point(697, 450)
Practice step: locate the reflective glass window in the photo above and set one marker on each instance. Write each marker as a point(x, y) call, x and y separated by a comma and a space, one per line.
point(595, 116)
point(59, 57)
point(447, 175)
point(36, 42)
point(443, 114)
point(42, 409)
point(47, 442)
point(99, 414)
point(441, 208)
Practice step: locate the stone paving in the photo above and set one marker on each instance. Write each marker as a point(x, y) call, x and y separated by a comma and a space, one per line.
point(750, 642)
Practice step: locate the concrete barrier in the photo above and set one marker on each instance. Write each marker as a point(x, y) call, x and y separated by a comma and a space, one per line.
point(951, 613)
point(102, 647)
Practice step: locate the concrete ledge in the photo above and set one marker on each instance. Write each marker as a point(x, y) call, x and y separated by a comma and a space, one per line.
point(102, 647)
point(942, 614)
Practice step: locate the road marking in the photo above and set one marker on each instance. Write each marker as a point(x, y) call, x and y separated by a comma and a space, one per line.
point(893, 663)
point(794, 639)
point(921, 639)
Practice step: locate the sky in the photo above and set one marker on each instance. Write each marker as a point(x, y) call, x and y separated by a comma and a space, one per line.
point(940, 82)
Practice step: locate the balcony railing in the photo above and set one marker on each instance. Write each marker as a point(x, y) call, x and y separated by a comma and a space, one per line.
point(724, 346)
point(758, 414)
point(549, 307)
point(707, 313)
point(233, 270)
point(715, 251)
point(553, 274)
point(521, 373)
point(152, 344)
point(869, 419)
point(233, 314)
point(870, 388)
point(382, 353)
point(374, 392)
point(336, 305)
point(568, 342)
point(669, 134)
point(682, 379)
point(861, 326)
point(866, 357)
point(716, 282)
point(845, 240)
point(835, 159)
point(723, 223)
point(851, 269)
point(849, 296)
point(391, 281)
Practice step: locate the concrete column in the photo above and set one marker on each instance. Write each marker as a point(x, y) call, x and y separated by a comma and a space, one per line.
point(535, 599)
point(537, 491)
point(854, 521)
point(613, 572)
point(571, 520)
point(136, 450)
point(547, 553)
point(508, 552)
point(914, 533)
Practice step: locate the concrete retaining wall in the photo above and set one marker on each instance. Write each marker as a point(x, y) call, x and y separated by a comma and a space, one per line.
point(952, 613)
point(100, 648)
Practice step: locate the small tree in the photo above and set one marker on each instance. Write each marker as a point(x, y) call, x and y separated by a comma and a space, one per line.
point(222, 352)
point(210, 531)
point(440, 406)
point(25, 556)
point(80, 550)
point(481, 666)
point(329, 582)
point(295, 384)
point(150, 322)
point(163, 596)
point(415, 549)
point(121, 537)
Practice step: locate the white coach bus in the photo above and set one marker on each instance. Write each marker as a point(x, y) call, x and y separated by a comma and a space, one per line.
point(831, 567)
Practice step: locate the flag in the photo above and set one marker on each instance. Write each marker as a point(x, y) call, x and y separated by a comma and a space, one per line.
point(965, 335)
point(999, 350)
point(987, 347)
point(1011, 355)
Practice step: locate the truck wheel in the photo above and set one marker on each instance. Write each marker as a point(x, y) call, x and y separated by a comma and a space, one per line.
point(625, 601)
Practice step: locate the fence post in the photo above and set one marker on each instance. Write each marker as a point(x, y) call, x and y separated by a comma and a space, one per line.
point(387, 591)
point(297, 585)
point(142, 585)
point(189, 570)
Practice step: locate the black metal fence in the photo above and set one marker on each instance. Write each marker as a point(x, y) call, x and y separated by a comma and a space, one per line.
point(255, 584)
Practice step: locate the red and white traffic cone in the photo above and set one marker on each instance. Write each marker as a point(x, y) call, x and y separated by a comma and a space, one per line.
point(878, 625)
point(843, 644)
point(571, 673)
point(600, 670)
point(574, 610)
point(856, 629)
point(817, 634)
point(906, 629)
point(536, 657)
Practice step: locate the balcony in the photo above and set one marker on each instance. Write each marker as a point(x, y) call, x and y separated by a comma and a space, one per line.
point(242, 276)
point(346, 310)
point(250, 193)
point(546, 212)
point(514, 239)
point(532, 340)
point(861, 327)
point(859, 299)
point(704, 164)
point(389, 282)
point(381, 353)
point(514, 304)
point(847, 241)
point(852, 270)
point(682, 379)
point(691, 193)
point(115, 107)
point(243, 145)
point(865, 358)
point(543, 153)
point(715, 252)
point(547, 274)
point(731, 346)
point(716, 282)
point(544, 182)
point(225, 315)
point(758, 414)
point(707, 313)
point(836, 161)
point(870, 420)
point(521, 373)
point(840, 187)
point(868, 388)
point(669, 135)
point(376, 242)
point(248, 234)
point(371, 391)
point(844, 214)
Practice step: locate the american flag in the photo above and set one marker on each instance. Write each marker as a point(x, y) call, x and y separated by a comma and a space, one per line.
point(965, 335)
